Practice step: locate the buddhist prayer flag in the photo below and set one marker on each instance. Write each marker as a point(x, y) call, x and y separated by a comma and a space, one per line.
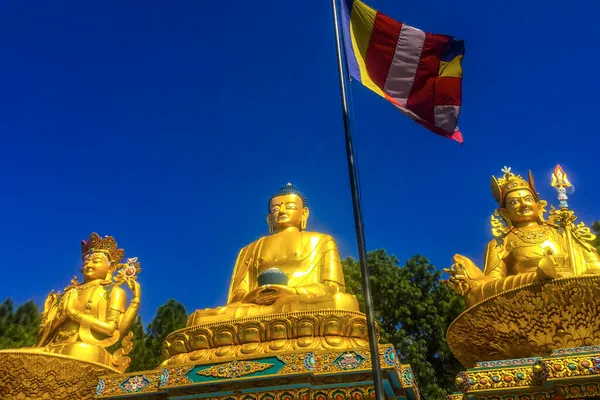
point(420, 73)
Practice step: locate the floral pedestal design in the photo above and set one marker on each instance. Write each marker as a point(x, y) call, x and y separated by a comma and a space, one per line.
point(293, 376)
point(29, 374)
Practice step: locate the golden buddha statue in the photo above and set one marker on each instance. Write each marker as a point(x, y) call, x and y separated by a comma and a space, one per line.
point(289, 270)
point(91, 316)
point(287, 293)
point(527, 248)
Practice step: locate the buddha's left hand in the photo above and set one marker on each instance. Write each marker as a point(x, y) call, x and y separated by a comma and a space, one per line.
point(269, 293)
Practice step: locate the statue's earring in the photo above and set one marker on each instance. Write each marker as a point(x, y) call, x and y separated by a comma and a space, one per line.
point(271, 229)
point(303, 225)
point(504, 216)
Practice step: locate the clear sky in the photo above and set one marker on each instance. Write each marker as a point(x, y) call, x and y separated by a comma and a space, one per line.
point(169, 124)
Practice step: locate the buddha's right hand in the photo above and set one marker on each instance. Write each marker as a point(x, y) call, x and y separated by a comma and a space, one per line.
point(464, 275)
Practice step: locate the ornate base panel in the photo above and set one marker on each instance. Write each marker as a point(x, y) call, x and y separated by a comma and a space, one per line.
point(36, 375)
point(275, 334)
point(329, 374)
point(567, 373)
point(529, 321)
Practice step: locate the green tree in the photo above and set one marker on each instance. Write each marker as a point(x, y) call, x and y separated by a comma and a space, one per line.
point(169, 317)
point(414, 311)
point(142, 356)
point(18, 328)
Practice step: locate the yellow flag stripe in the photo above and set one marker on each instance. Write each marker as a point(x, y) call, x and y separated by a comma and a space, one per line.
point(362, 20)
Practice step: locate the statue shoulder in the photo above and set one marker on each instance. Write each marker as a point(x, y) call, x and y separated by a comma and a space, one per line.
point(319, 239)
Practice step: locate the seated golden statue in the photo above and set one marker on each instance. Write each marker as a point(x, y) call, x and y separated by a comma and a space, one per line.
point(91, 316)
point(287, 293)
point(289, 270)
point(527, 248)
point(76, 329)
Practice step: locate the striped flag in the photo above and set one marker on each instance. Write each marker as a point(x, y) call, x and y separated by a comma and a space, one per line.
point(420, 73)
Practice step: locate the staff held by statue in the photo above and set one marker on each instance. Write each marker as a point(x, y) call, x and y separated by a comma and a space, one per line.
point(564, 216)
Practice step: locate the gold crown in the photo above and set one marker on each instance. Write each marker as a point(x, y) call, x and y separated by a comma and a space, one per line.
point(108, 246)
point(509, 183)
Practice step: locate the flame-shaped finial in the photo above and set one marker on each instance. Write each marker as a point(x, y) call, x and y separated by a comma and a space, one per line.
point(559, 178)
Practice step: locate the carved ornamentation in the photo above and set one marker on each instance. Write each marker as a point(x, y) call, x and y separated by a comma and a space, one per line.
point(318, 330)
point(529, 321)
point(235, 369)
point(35, 375)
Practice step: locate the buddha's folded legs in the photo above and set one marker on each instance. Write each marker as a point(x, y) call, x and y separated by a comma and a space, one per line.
point(339, 301)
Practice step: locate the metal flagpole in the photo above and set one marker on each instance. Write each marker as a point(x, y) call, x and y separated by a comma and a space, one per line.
point(360, 230)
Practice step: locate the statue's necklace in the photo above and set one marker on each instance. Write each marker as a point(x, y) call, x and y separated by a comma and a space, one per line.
point(85, 287)
point(533, 236)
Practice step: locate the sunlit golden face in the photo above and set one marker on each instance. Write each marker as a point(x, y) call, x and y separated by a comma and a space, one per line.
point(521, 206)
point(286, 211)
point(95, 266)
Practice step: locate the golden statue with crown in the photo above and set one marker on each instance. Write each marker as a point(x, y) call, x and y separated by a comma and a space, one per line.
point(76, 329)
point(540, 283)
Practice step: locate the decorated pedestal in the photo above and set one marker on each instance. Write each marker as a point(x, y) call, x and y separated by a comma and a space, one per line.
point(318, 375)
point(529, 321)
point(315, 330)
point(564, 374)
point(28, 374)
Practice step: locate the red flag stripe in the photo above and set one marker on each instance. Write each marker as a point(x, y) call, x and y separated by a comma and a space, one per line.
point(421, 98)
point(382, 46)
point(448, 91)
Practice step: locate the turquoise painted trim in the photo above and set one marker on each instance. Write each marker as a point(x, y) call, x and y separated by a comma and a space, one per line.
point(395, 380)
point(387, 388)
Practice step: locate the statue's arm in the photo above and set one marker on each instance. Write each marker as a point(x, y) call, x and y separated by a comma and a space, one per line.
point(239, 286)
point(116, 307)
point(332, 274)
point(495, 267)
point(126, 319)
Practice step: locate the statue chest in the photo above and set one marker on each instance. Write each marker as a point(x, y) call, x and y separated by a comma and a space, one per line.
point(93, 300)
point(282, 253)
point(524, 249)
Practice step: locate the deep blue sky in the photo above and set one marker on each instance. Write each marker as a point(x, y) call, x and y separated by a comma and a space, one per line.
point(169, 124)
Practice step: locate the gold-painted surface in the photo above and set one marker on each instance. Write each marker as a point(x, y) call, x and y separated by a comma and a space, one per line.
point(136, 383)
point(301, 369)
point(82, 322)
point(527, 248)
point(574, 375)
point(362, 392)
point(33, 375)
point(268, 335)
point(91, 316)
point(529, 321)
point(310, 260)
point(235, 369)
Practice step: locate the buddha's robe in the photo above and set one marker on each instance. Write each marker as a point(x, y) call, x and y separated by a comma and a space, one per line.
point(310, 260)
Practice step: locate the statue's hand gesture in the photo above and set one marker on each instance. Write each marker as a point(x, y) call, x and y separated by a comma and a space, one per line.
point(134, 286)
point(50, 300)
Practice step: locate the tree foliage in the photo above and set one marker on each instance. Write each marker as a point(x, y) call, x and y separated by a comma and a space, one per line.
point(414, 311)
point(18, 328)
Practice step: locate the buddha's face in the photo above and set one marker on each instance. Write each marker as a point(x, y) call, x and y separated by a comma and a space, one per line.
point(521, 207)
point(95, 266)
point(286, 211)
